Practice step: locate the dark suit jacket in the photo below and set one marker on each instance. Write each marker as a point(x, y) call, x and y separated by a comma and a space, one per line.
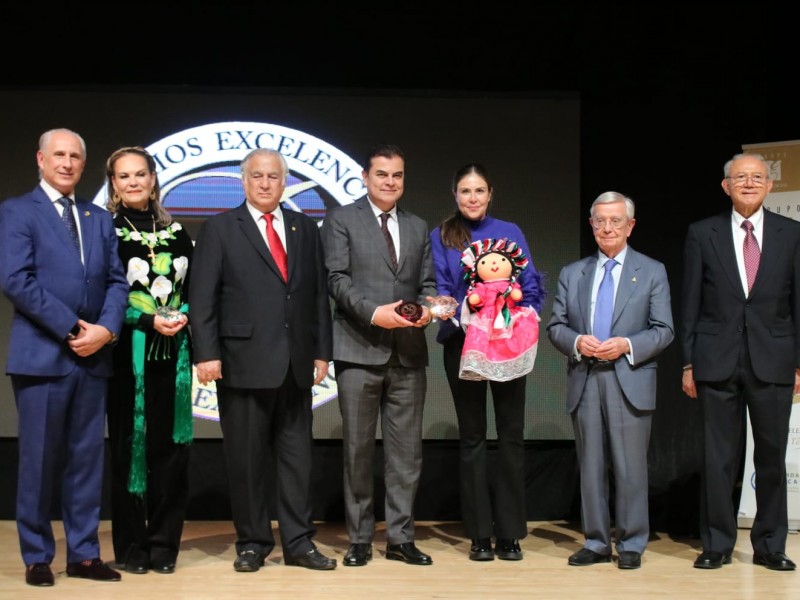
point(642, 313)
point(243, 313)
point(362, 278)
point(42, 275)
point(716, 309)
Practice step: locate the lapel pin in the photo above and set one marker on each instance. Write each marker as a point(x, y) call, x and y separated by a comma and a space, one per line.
point(86, 213)
point(633, 279)
point(294, 228)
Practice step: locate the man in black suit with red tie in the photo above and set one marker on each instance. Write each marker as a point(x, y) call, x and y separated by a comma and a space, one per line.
point(741, 347)
point(261, 329)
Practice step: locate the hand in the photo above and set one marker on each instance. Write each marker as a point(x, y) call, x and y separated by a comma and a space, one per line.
point(385, 316)
point(168, 327)
point(90, 338)
point(612, 348)
point(425, 319)
point(797, 381)
point(690, 389)
point(320, 371)
point(209, 371)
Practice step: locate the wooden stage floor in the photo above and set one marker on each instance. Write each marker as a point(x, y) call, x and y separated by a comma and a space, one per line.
point(204, 570)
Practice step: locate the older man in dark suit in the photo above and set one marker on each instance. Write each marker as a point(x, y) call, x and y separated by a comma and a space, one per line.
point(261, 329)
point(60, 269)
point(741, 346)
point(378, 256)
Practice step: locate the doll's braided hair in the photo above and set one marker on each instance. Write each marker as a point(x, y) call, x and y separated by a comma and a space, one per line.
point(477, 250)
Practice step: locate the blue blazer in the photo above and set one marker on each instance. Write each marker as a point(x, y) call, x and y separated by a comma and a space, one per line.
point(42, 275)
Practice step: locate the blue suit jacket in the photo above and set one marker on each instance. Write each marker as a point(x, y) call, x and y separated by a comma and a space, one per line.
point(42, 275)
point(642, 313)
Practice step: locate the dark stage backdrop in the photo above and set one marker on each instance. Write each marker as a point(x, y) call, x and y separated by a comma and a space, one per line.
point(530, 143)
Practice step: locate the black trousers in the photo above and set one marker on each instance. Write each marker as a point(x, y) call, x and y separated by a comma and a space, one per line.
point(152, 523)
point(491, 505)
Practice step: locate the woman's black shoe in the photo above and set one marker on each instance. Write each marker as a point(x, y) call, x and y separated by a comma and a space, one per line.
point(481, 550)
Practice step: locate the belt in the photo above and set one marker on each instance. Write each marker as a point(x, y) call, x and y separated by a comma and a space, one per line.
point(599, 363)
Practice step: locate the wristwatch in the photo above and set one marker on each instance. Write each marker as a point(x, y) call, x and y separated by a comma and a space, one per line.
point(113, 339)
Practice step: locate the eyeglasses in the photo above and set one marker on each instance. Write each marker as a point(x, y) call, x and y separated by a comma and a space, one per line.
point(615, 223)
point(757, 179)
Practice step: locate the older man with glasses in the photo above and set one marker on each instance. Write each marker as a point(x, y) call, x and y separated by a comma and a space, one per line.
point(740, 335)
point(611, 318)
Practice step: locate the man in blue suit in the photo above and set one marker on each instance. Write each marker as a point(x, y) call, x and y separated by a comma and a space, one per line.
point(60, 269)
point(611, 393)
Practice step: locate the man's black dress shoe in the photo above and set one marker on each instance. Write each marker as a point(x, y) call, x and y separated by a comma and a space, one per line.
point(775, 561)
point(408, 553)
point(94, 569)
point(313, 559)
point(358, 555)
point(585, 557)
point(249, 561)
point(164, 567)
point(481, 550)
point(508, 549)
point(629, 560)
point(710, 559)
point(39, 574)
point(137, 562)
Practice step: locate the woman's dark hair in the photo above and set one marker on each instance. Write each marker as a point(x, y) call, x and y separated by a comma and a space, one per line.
point(454, 230)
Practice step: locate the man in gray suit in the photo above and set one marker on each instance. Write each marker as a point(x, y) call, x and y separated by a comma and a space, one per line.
point(378, 257)
point(611, 392)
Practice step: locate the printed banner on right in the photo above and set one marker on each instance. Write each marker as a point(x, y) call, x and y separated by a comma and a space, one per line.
point(784, 199)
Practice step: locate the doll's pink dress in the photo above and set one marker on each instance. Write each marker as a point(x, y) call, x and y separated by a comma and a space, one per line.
point(493, 350)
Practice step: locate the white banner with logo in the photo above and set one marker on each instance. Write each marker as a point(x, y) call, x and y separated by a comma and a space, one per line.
point(784, 161)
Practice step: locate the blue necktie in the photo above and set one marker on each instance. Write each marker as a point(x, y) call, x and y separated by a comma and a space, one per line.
point(69, 221)
point(604, 305)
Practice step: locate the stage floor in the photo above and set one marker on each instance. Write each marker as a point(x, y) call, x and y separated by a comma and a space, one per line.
point(204, 570)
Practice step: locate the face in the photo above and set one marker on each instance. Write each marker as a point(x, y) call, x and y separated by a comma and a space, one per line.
point(610, 239)
point(384, 181)
point(133, 182)
point(473, 196)
point(264, 182)
point(746, 194)
point(494, 266)
point(62, 162)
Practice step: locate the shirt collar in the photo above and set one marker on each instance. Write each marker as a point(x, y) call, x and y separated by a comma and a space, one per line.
point(602, 259)
point(257, 214)
point(53, 193)
point(756, 218)
point(378, 212)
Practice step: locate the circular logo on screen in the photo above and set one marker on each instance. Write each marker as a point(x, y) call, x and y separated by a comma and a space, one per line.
point(199, 171)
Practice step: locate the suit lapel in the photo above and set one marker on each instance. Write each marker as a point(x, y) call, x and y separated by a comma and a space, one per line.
point(628, 280)
point(404, 224)
point(292, 240)
point(51, 217)
point(250, 230)
point(770, 244)
point(722, 242)
point(372, 229)
point(87, 230)
point(585, 292)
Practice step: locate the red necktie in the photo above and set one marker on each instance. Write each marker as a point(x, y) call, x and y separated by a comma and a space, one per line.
point(276, 247)
point(752, 254)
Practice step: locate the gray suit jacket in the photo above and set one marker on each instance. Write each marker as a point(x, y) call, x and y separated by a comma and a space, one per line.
point(642, 313)
point(361, 278)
